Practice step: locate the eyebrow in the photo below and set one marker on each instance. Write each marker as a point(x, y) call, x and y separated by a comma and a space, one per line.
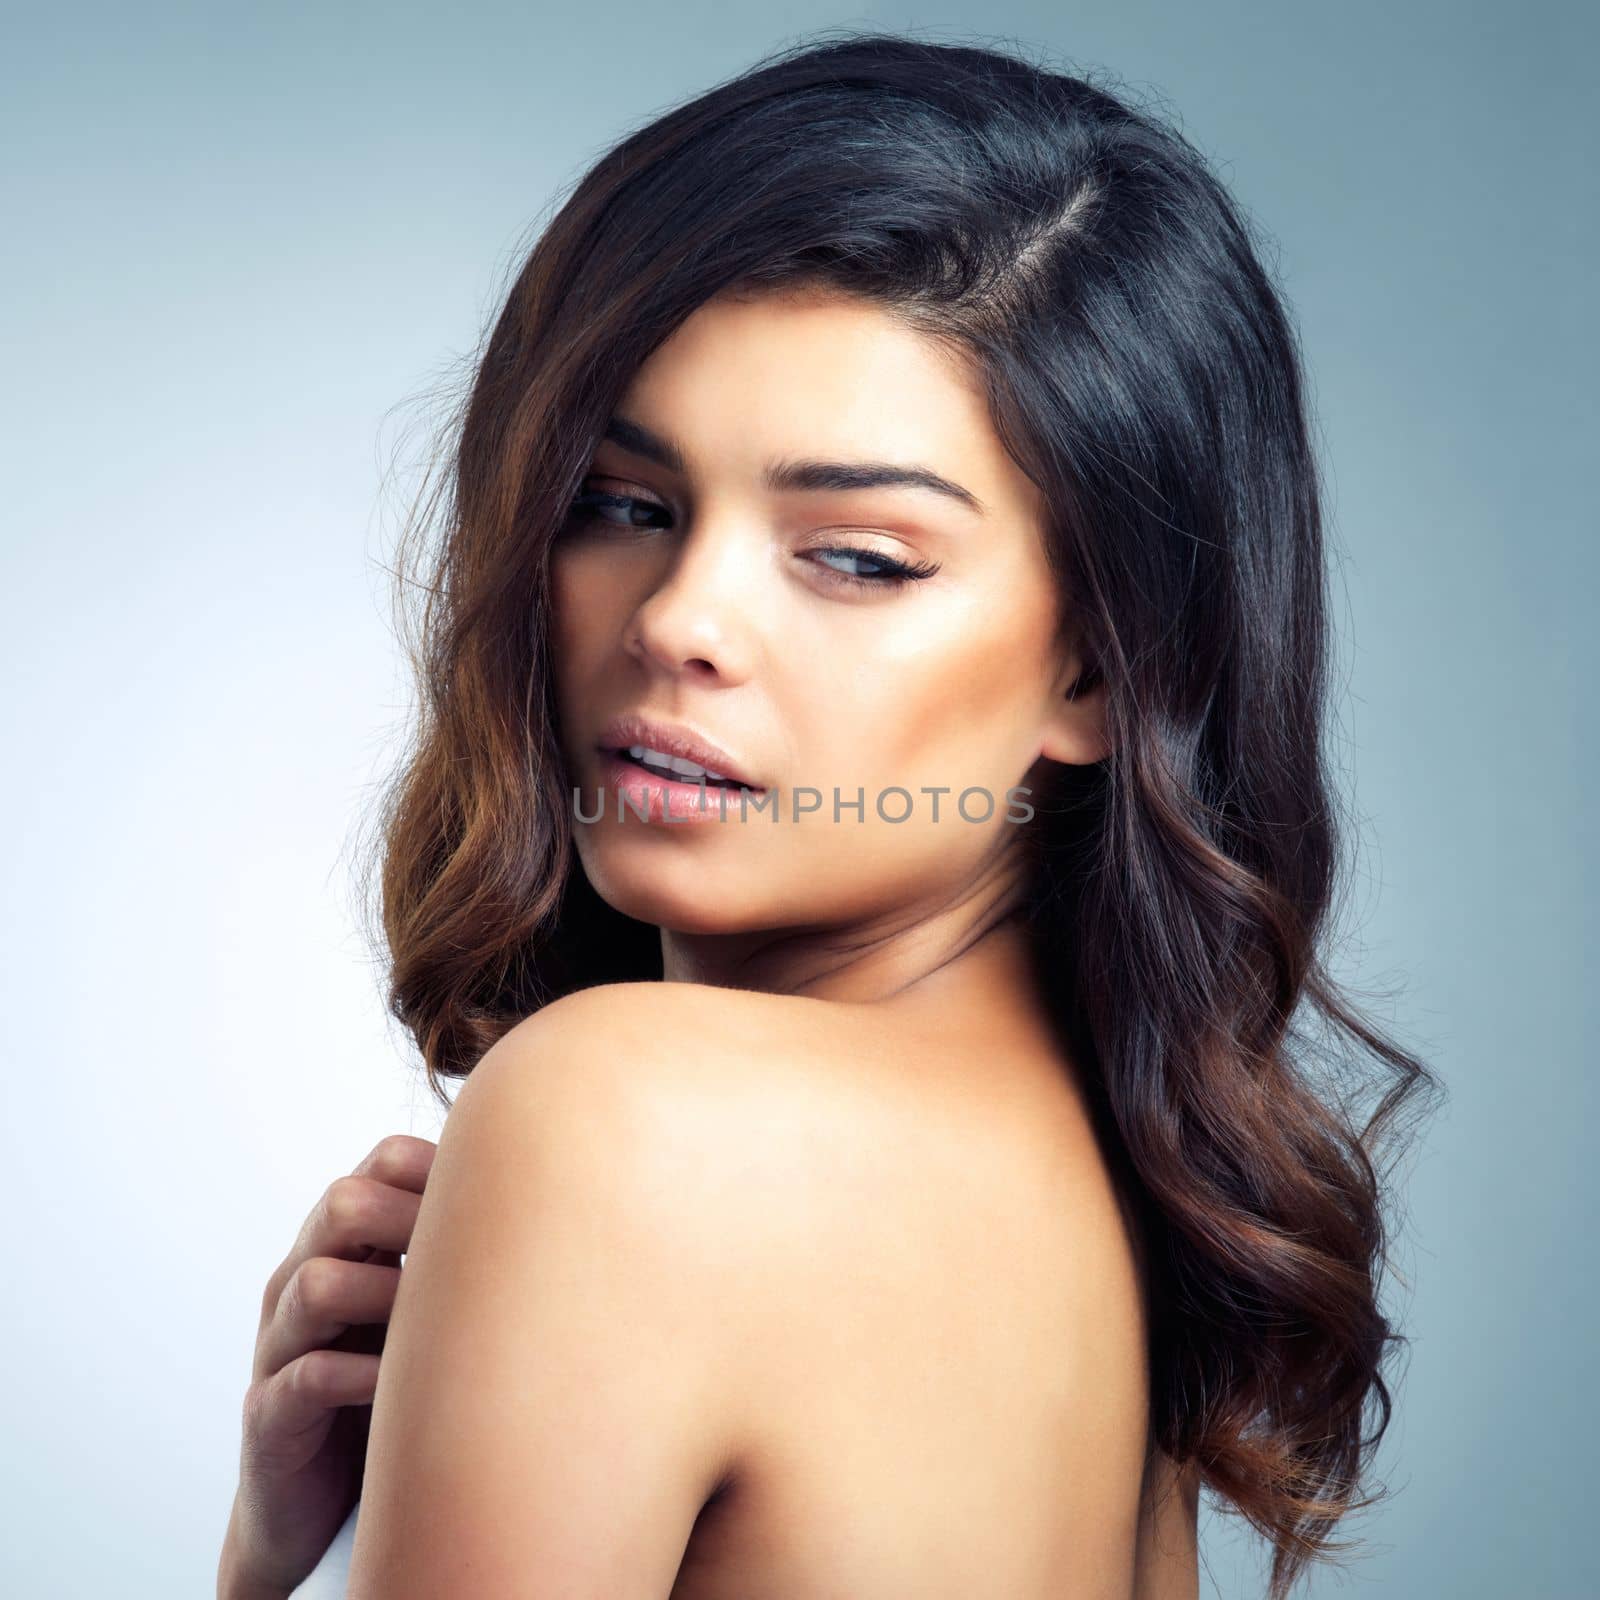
point(790, 475)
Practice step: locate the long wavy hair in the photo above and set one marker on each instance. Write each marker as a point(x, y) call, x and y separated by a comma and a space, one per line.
point(1142, 369)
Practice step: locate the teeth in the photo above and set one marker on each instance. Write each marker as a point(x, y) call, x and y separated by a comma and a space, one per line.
point(678, 764)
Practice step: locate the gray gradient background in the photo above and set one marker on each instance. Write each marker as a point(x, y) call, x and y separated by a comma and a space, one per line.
point(236, 237)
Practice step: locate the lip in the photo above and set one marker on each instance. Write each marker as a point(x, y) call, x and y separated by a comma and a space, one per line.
point(672, 739)
point(652, 798)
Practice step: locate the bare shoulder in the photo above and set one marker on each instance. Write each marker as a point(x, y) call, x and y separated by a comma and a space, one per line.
point(871, 1213)
point(647, 999)
point(829, 1112)
point(700, 1092)
point(653, 1038)
point(724, 1051)
point(771, 1127)
point(728, 1013)
point(828, 1147)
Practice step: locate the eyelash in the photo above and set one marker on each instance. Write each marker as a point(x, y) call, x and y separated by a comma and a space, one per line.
point(586, 508)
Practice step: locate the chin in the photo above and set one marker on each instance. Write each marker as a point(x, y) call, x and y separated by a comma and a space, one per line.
point(680, 891)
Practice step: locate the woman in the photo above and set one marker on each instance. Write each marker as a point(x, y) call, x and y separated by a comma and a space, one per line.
point(883, 544)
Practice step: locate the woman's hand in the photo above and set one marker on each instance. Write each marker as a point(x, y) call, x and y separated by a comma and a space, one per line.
point(308, 1409)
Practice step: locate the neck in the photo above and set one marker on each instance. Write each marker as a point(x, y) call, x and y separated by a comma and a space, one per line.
point(911, 952)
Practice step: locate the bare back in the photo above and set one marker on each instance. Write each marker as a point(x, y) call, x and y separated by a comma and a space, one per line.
point(956, 1400)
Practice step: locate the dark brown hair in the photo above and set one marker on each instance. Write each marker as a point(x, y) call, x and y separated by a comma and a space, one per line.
point(1142, 369)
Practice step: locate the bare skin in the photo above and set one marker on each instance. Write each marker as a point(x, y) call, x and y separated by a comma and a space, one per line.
point(974, 1423)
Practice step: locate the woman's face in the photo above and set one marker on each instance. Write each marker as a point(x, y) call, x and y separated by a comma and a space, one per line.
point(732, 594)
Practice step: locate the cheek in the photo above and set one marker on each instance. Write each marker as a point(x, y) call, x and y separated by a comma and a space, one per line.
point(567, 599)
point(583, 614)
point(577, 649)
point(958, 703)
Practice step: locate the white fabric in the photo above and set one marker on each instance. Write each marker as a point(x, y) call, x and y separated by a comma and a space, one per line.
point(331, 1575)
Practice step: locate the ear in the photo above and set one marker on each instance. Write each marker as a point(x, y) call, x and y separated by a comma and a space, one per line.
point(1074, 730)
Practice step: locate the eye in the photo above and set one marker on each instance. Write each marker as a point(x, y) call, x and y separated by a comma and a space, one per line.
point(625, 510)
point(889, 572)
point(597, 505)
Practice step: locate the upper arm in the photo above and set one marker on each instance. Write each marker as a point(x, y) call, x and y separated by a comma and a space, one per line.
point(559, 1390)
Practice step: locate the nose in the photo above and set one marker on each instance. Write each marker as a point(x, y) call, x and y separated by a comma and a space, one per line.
point(697, 619)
